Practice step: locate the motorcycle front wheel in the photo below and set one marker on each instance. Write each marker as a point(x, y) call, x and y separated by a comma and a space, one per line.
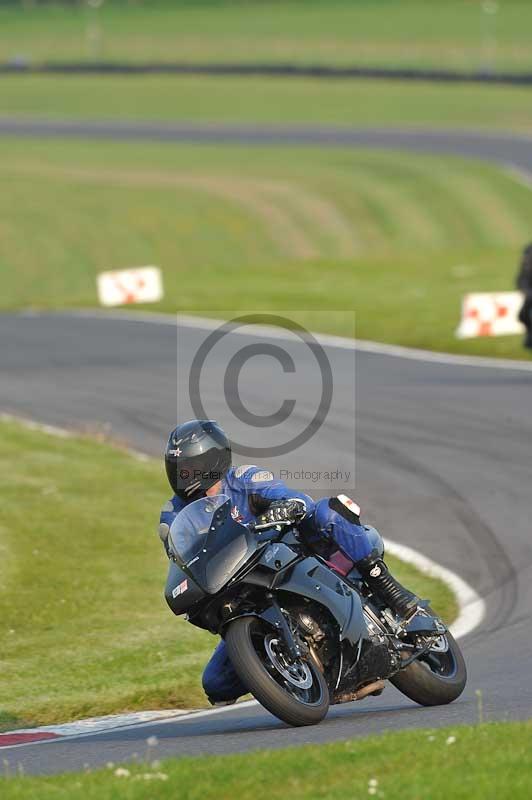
point(294, 691)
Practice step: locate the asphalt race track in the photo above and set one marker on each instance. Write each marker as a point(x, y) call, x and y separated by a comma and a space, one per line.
point(443, 464)
point(442, 458)
point(506, 148)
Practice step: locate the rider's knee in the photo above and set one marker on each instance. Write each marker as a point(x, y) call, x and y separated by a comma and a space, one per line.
point(358, 541)
point(213, 674)
point(219, 680)
point(375, 539)
point(212, 684)
point(324, 517)
point(216, 684)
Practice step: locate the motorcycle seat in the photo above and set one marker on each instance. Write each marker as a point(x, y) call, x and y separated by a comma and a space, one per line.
point(340, 563)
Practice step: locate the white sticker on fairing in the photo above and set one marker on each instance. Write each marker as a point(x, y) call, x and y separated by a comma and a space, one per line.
point(181, 589)
point(349, 504)
point(263, 475)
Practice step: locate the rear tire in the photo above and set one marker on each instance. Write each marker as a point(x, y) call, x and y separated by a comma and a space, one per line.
point(245, 638)
point(424, 686)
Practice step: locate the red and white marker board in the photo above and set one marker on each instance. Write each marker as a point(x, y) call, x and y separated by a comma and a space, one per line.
point(490, 314)
point(125, 286)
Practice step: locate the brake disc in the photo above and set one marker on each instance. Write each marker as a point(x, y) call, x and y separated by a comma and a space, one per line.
point(298, 673)
point(440, 645)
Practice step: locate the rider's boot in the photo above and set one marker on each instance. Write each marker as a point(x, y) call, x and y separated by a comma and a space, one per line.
point(220, 703)
point(379, 579)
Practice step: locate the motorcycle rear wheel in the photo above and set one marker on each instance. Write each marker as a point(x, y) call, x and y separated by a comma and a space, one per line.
point(296, 693)
point(437, 679)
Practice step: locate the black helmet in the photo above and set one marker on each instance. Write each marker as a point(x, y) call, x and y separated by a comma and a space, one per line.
point(198, 455)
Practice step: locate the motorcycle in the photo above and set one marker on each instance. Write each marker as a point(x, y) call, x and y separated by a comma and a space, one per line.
point(302, 631)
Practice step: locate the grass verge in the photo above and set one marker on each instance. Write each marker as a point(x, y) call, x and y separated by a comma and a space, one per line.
point(419, 33)
point(404, 236)
point(483, 762)
point(83, 622)
point(269, 101)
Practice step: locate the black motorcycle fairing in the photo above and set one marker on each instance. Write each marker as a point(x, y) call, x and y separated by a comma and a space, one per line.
point(311, 579)
point(277, 556)
point(210, 547)
point(208, 544)
point(181, 592)
point(225, 552)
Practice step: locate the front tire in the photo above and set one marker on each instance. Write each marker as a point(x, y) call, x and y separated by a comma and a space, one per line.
point(436, 680)
point(295, 693)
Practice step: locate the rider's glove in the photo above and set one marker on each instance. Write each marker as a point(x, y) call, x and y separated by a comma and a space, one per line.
point(284, 512)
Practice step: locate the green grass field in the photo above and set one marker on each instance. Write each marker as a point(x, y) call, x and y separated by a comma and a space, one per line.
point(482, 762)
point(404, 237)
point(84, 626)
point(270, 101)
point(456, 33)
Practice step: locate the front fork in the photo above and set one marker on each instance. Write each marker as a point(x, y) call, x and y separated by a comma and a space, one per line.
point(274, 617)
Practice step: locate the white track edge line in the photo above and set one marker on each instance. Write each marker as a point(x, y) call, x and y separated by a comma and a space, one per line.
point(178, 717)
point(328, 340)
point(472, 608)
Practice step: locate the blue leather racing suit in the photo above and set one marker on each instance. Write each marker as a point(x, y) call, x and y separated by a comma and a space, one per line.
point(252, 490)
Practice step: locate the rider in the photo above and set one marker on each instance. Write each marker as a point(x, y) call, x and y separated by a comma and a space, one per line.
point(198, 463)
point(524, 283)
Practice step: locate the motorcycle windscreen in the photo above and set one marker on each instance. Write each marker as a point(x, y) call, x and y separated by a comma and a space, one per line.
point(209, 544)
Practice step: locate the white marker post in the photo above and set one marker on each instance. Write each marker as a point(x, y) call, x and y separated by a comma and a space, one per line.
point(126, 286)
point(490, 314)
